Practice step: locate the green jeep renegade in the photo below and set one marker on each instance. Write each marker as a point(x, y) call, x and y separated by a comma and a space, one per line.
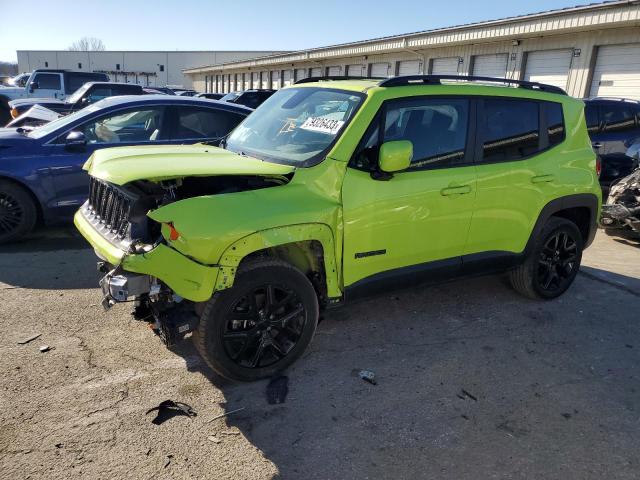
point(335, 188)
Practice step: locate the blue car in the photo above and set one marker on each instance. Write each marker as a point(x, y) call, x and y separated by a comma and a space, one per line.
point(41, 176)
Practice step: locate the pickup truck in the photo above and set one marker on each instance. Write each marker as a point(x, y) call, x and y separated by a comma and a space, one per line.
point(46, 84)
point(89, 93)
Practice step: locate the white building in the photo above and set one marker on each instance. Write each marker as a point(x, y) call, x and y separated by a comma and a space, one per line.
point(591, 50)
point(146, 68)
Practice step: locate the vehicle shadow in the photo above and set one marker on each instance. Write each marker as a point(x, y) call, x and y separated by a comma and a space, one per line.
point(56, 258)
point(471, 378)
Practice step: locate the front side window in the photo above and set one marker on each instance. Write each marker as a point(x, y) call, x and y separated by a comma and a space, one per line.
point(125, 127)
point(295, 125)
point(204, 123)
point(617, 118)
point(99, 93)
point(48, 81)
point(510, 130)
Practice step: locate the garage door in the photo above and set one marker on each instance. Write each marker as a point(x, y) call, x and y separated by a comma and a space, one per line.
point(355, 70)
point(445, 66)
point(287, 78)
point(255, 80)
point(409, 67)
point(265, 79)
point(380, 69)
point(225, 84)
point(548, 66)
point(247, 80)
point(316, 72)
point(275, 79)
point(334, 71)
point(617, 72)
point(301, 73)
point(494, 65)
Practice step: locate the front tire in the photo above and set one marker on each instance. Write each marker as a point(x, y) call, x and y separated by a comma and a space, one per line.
point(261, 325)
point(18, 212)
point(552, 266)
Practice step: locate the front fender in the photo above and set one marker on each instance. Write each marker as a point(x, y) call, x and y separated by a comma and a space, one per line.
point(273, 237)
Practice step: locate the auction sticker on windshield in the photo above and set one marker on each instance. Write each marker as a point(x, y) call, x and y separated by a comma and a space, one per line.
point(322, 125)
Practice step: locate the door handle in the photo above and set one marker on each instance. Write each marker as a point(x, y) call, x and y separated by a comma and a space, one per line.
point(460, 190)
point(542, 178)
point(596, 145)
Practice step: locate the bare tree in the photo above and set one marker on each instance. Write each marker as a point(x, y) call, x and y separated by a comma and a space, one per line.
point(86, 44)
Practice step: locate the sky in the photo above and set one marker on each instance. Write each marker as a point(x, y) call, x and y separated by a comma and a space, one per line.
point(241, 25)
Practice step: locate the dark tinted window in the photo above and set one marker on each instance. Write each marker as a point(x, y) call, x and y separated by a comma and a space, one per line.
point(99, 93)
point(555, 123)
point(196, 123)
point(617, 118)
point(48, 81)
point(510, 129)
point(74, 81)
point(591, 116)
point(249, 99)
point(437, 129)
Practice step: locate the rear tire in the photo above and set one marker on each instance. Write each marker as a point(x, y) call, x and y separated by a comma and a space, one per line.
point(18, 212)
point(261, 325)
point(554, 261)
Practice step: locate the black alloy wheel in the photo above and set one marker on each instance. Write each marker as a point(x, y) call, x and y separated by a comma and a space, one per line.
point(260, 325)
point(18, 212)
point(263, 326)
point(558, 262)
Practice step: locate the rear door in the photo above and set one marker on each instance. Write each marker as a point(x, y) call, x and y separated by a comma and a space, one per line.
point(140, 125)
point(516, 169)
point(418, 220)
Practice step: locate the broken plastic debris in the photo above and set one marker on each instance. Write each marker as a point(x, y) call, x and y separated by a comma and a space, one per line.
point(169, 409)
point(368, 376)
point(29, 339)
point(277, 390)
point(214, 439)
point(45, 348)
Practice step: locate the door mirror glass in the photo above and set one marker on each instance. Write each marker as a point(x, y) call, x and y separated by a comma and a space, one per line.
point(33, 86)
point(395, 156)
point(75, 139)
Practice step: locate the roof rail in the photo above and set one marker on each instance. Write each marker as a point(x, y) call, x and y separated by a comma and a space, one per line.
point(615, 99)
point(346, 77)
point(436, 80)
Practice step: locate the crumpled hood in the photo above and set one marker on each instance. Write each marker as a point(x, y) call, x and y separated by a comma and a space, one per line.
point(22, 102)
point(122, 165)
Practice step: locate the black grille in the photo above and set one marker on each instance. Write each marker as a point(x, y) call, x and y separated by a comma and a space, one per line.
point(110, 207)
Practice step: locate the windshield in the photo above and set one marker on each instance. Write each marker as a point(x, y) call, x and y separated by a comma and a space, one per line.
point(229, 97)
point(63, 121)
point(295, 124)
point(77, 95)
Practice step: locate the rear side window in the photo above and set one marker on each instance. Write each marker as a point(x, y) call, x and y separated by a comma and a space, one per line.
point(555, 123)
point(510, 129)
point(49, 81)
point(617, 118)
point(201, 123)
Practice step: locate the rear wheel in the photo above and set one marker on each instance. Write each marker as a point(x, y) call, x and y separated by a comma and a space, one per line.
point(18, 213)
point(261, 325)
point(553, 263)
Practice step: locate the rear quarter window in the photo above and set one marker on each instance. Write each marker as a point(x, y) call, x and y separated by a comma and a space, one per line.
point(555, 123)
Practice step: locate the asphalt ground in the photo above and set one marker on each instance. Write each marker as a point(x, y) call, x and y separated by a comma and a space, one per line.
point(473, 382)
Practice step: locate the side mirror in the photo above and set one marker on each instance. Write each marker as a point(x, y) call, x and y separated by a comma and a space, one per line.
point(33, 86)
point(75, 141)
point(395, 156)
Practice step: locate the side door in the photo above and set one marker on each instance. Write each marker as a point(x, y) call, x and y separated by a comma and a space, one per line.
point(194, 124)
point(141, 125)
point(516, 174)
point(416, 222)
point(47, 85)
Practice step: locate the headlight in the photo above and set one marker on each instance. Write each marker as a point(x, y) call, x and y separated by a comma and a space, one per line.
point(14, 113)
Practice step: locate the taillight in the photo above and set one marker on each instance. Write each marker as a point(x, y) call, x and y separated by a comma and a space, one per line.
point(598, 166)
point(14, 113)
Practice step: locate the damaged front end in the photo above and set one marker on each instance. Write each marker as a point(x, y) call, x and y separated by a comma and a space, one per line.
point(621, 214)
point(137, 258)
